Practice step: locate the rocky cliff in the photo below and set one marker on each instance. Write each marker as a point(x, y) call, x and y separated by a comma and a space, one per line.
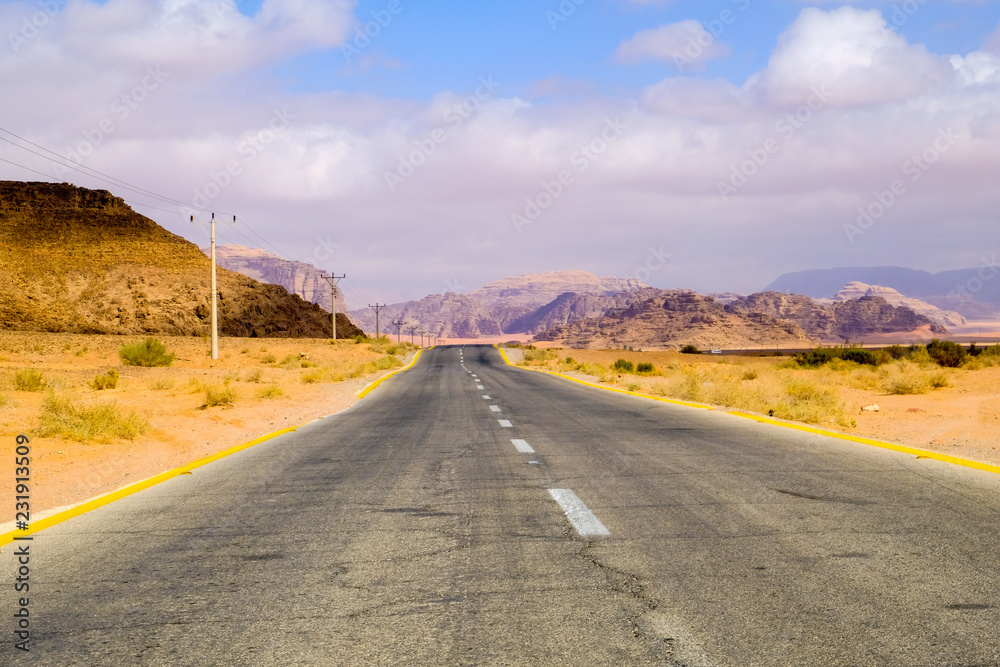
point(836, 321)
point(83, 261)
point(675, 318)
point(298, 278)
point(855, 290)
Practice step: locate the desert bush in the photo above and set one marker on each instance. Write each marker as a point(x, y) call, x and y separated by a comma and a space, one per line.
point(255, 376)
point(690, 349)
point(216, 396)
point(62, 418)
point(270, 391)
point(645, 368)
point(947, 353)
point(532, 353)
point(905, 385)
point(268, 359)
point(29, 379)
point(750, 374)
point(939, 381)
point(107, 381)
point(624, 366)
point(4, 401)
point(148, 353)
point(634, 386)
point(162, 384)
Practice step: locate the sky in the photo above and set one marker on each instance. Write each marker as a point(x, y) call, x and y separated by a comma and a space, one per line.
point(421, 147)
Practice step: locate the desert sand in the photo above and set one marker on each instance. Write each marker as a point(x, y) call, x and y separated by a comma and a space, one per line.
point(65, 473)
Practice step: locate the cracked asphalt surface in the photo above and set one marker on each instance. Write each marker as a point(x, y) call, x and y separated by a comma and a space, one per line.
point(409, 530)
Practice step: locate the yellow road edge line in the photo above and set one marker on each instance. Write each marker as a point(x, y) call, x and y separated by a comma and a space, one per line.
point(616, 390)
point(375, 385)
point(954, 460)
point(107, 499)
point(967, 463)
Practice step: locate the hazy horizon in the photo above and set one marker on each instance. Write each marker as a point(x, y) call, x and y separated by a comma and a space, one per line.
point(421, 149)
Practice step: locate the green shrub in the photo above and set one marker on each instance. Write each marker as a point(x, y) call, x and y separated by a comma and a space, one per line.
point(624, 366)
point(644, 368)
point(690, 349)
point(107, 381)
point(570, 361)
point(947, 353)
point(29, 379)
point(907, 385)
point(148, 354)
point(61, 418)
point(216, 396)
point(939, 381)
point(270, 391)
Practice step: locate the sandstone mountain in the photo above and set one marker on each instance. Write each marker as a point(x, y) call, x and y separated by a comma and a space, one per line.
point(298, 278)
point(855, 290)
point(838, 321)
point(507, 306)
point(974, 293)
point(675, 318)
point(83, 261)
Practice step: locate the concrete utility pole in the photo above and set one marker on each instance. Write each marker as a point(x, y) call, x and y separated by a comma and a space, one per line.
point(334, 279)
point(399, 325)
point(215, 295)
point(378, 309)
point(412, 330)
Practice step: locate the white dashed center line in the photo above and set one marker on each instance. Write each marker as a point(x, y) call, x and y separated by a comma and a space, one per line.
point(523, 446)
point(505, 423)
point(495, 408)
point(586, 523)
point(486, 398)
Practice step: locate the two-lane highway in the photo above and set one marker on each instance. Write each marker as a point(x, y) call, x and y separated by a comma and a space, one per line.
point(470, 513)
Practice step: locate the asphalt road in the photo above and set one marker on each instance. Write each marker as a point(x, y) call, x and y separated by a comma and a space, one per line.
point(418, 528)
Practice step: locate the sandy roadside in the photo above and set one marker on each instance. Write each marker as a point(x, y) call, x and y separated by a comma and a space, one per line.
point(962, 420)
point(66, 473)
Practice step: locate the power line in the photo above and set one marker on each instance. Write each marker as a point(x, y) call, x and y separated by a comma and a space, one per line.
point(378, 309)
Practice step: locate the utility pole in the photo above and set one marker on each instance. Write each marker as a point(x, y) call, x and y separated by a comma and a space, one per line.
point(399, 325)
point(421, 340)
point(334, 279)
point(378, 309)
point(215, 295)
point(412, 330)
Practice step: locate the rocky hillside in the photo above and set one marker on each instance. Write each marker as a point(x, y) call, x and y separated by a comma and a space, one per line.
point(856, 290)
point(675, 318)
point(83, 261)
point(508, 306)
point(974, 293)
point(298, 278)
point(835, 322)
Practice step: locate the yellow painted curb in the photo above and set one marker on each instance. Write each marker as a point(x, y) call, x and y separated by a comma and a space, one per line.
point(48, 522)
point(954, 460)
point(375, 385)
point(873, 443)
point(605, 387)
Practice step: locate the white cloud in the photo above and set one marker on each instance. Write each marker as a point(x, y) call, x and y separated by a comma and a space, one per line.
point(853, 53)
point(686, 44)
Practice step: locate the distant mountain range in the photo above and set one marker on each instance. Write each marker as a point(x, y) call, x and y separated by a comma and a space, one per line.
point(524, 305)
point(973, 293)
